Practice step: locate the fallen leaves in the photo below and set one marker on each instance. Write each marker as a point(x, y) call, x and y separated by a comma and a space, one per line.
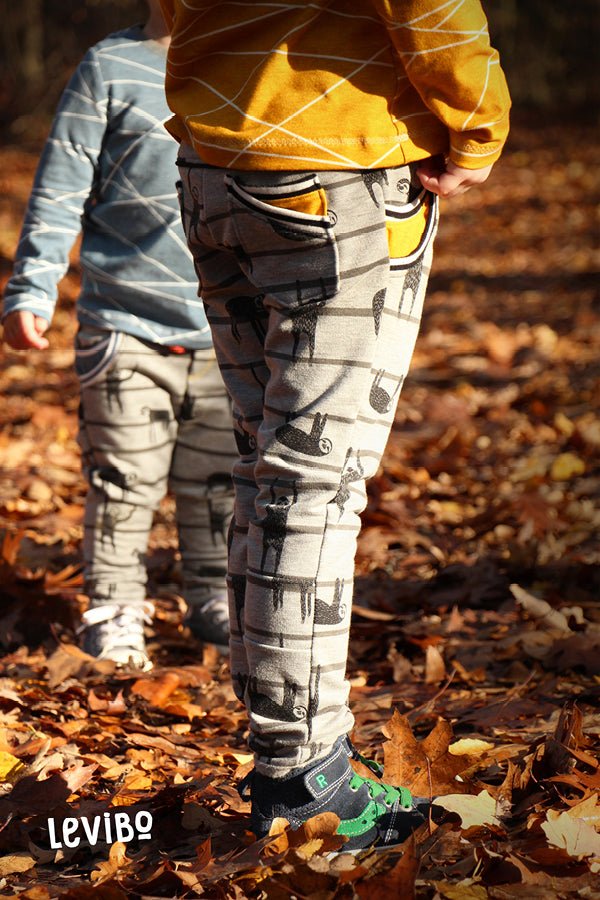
point(427, 768)
point(10, 766)
point(117, 862)
point(574, 835)
point(474, 812)
point(16, 862)
point(476, 623)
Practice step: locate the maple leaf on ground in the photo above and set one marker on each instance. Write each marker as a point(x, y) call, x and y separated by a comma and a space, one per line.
point(473, 811)
point(426, 767)
point(579, 839)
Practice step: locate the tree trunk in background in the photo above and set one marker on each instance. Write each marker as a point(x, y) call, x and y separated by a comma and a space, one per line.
point(32, 61)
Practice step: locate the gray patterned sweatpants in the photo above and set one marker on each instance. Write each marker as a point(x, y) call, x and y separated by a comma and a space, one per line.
point(313, 286)
point(151, 420)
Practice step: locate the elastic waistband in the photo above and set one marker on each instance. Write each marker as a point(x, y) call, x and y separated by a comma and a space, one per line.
point(167, 349)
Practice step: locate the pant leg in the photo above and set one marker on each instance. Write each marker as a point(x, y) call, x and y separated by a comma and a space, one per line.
point(200, 477)
point(127, 431)
point(340, 292)
point(241, 362)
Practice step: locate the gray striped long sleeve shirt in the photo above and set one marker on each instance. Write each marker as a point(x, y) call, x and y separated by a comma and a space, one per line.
point(108, 170)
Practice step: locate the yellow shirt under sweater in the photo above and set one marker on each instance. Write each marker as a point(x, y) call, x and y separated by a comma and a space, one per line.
point(334, 84)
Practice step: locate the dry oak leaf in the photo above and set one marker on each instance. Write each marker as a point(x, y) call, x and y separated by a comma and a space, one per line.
point(137, 781)
point(462, 891)
point(116, 861)
point(470, 747)
point(573, 835)
point(399, 881)
point(317, 835)
point(474, 812)
point(10, 766)
point(425, 767)
point(16, 862)
point(156, 690)
point(68, 660)
point(435, 668)
point(587, 810)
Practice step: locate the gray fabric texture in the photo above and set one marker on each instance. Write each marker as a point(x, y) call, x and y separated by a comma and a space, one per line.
point(314, 321)
point(152, 421)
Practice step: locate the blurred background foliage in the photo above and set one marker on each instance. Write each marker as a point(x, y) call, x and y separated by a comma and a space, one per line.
point(549, 52)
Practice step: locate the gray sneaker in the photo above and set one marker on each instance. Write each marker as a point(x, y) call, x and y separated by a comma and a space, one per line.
point(208, 618)
point(115, 631)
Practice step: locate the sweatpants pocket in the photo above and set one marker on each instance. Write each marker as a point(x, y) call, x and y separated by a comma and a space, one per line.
point(95, 350)
point(286, 237)
point(411, 229)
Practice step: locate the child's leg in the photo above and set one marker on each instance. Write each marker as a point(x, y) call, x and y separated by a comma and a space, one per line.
point(127, 432)
point(201, 482)
point(320, 319)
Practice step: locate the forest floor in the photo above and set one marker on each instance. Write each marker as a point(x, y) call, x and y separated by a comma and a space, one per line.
point(475, 647)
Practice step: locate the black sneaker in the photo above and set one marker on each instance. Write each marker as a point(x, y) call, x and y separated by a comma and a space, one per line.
point(372, 814)
point(371, 764)
point(208, 618)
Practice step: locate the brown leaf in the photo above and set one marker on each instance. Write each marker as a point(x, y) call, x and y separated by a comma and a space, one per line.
point(68, 661)
point(117, 861)
point(573, 835)
point(32, 797)
point(473, 811)
point(321, 826)
point(464, 890)
point(425, 767)
point(189, 711)
point(16, 862)
point(77, 776)
point(435, 668)
point(587, 810)
point(156, 690)
point(399, 881)
point(543, 613)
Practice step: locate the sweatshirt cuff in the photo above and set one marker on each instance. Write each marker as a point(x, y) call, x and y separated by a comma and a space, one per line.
point(475, 156)
point(27, 303)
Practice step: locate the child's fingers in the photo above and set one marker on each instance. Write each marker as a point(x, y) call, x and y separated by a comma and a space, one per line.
point(452, 180)
point(23, 331)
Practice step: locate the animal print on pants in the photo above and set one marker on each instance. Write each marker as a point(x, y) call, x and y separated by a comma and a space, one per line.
point(314, 384)
point(152, 421)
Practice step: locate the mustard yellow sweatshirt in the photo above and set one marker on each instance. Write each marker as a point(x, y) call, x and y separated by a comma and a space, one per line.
point(334, 84)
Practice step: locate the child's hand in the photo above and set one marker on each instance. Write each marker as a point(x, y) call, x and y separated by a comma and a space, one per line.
point(23, 331)
point(447, 179)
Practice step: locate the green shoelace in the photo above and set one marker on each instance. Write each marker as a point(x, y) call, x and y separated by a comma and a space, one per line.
point(377, 788)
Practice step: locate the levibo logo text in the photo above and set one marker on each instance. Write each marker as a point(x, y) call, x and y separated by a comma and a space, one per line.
point(109, 828)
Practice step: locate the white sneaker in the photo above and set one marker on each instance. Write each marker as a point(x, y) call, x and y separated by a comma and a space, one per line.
point(115, 631)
